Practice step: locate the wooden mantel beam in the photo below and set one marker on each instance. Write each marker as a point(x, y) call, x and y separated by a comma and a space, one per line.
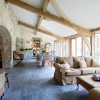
point(40, 30)
point(44, 10)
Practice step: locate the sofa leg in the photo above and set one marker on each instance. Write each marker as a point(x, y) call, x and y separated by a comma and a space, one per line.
point(77, 86)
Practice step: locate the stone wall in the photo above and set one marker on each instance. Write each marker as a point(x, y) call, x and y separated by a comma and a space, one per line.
point(9, 21)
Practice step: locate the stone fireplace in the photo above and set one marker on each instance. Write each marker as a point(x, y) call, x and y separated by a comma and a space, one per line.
point(5, 47)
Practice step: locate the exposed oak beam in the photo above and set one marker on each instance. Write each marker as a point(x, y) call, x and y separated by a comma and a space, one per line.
point(41, 17)
point(82, 31)
point(95, 30)
point(47, 15)
point(40, 30)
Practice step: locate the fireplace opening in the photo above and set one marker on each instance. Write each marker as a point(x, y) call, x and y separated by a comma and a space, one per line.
point(5, 48)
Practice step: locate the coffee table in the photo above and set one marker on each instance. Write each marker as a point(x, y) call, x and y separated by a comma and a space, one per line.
point(87, 82)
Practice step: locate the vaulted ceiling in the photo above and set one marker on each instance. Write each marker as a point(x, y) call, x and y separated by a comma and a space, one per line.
point(82, 13)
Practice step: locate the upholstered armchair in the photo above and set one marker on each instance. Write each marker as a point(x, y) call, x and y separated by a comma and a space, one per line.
point(18, 58)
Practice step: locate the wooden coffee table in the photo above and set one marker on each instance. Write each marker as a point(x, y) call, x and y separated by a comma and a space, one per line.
point(87, 82)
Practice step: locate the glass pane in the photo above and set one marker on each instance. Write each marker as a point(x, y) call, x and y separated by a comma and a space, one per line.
point(86, 51)
point(97, 47)
point(73, 47)
point(79, 46)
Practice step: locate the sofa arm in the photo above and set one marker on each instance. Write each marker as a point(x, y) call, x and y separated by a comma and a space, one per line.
point(94, 94)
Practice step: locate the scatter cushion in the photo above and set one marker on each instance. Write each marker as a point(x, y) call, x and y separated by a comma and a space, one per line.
point(95, 64)
point(82, 64)
point(88, 60)
point(70, 61)
point(66, 66)
point(72, 72)
point(76, 61)
point(59, 60)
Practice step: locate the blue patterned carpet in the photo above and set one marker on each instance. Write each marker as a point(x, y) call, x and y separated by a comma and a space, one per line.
point(37, 83)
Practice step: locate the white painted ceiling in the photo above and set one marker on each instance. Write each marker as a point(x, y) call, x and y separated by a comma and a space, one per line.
point(25, 16)
point(85, 13)
point(46, 38)
point(57, 28)
point(36, 3)
point(52, 10)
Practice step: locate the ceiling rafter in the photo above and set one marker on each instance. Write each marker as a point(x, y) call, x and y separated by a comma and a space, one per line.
point(48, 15)
point(82, 31)
point(40, 30)
point(41, 17)
point(95, 30)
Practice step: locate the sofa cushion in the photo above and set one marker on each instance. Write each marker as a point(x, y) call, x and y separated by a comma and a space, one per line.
point(95, 64)
point(59, 60)
point(82, 64)
point(76, 61)
point(72, 72)
point(88, 61)
point(87, 71)
point(69, 60)
point(97, 69)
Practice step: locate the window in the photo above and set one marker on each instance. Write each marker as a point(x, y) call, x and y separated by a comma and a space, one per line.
point(73, 47)
point(97, 47)
point(79, 46)
point(86, 51)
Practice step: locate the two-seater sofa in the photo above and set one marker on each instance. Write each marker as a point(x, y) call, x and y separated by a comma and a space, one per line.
point(68, 76)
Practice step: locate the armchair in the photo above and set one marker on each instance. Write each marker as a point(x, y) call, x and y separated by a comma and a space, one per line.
point(18, 58)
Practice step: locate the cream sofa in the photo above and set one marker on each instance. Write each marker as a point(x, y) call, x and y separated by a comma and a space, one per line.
point(68, 76)
point(2, 81)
